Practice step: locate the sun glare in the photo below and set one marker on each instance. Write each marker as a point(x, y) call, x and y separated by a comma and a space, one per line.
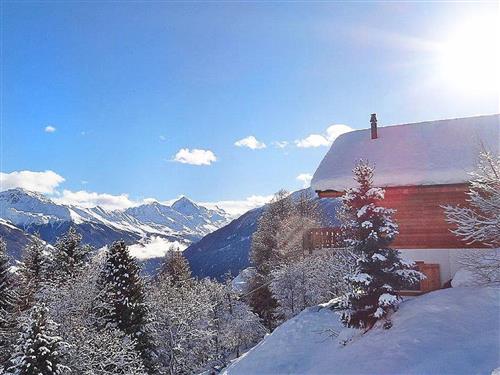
point(468, 59)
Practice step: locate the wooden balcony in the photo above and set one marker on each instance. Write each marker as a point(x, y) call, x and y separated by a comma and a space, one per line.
point(322, 238)
point(330, 238)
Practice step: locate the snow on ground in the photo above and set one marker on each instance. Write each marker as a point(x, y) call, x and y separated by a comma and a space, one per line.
point(452, 331)
point(240, 282)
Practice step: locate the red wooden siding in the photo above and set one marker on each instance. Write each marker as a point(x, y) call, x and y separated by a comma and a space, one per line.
point(420, 218)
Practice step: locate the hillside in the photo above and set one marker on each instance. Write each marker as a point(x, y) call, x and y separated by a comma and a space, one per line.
point(447, 332)
point(227, 249)
point(15, 239)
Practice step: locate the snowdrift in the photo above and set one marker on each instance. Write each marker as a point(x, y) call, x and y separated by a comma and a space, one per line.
point(451, 331)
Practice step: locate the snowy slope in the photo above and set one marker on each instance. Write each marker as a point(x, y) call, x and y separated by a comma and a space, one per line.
point(15, 239)
point(447, 332)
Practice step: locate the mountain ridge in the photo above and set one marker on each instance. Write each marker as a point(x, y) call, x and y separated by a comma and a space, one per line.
point(34, 212)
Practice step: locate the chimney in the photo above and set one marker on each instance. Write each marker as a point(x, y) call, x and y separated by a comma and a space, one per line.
point(373, 122)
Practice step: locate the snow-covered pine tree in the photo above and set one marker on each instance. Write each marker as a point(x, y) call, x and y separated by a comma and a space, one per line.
point(93, 350)
point(123, 303)
point(176, 266)
point(480, 223)
point(69, 255)
point(32, 272)
point(38, 351)
point(380, 270)
point(8, 300)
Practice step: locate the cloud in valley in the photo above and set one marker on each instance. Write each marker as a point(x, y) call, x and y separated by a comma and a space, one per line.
point(156, 247)
point(41, 182)
point(251, 142)
point(326, 139)
point(195, 156)
point(49, 129)
point(305, 178)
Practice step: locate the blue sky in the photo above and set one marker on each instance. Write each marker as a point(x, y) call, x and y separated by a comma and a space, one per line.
point(127, 85)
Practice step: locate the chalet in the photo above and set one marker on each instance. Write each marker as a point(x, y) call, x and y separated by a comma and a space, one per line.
point(422, 167)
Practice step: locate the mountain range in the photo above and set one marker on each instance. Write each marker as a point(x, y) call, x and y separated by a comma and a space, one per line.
point(214, 244)
point(183, 222)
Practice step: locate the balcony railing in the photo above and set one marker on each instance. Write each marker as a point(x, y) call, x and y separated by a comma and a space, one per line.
point(322, 238)
point(330, 238)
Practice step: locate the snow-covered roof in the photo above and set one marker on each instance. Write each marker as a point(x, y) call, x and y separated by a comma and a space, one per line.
point(425, 153)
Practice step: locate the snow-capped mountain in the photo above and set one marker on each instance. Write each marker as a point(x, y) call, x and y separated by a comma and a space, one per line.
point(183, 216)
point(183, 222)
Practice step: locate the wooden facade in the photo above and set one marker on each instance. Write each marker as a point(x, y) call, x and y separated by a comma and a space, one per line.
point(419, 214)
point(330, 238)
point(422, 225)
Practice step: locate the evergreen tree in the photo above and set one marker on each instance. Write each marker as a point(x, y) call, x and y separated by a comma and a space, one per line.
point(7, 305)
point(38, 352)
point(122, 301)
point(380, 270)
point(264, 255)
point(93, 350)
point(175, 266)
point(69, 255)
point(32, 272)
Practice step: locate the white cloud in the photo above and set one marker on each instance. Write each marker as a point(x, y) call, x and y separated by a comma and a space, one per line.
point(280, 144)
point(305, 178)
point(195, 156)
point(251, 142)
point(239, 207)
point(332, 132)
point(314, 140)
point(156, 247)
point(49, 129)
point(318, 140)
point(89, 199)
point(42, 182)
